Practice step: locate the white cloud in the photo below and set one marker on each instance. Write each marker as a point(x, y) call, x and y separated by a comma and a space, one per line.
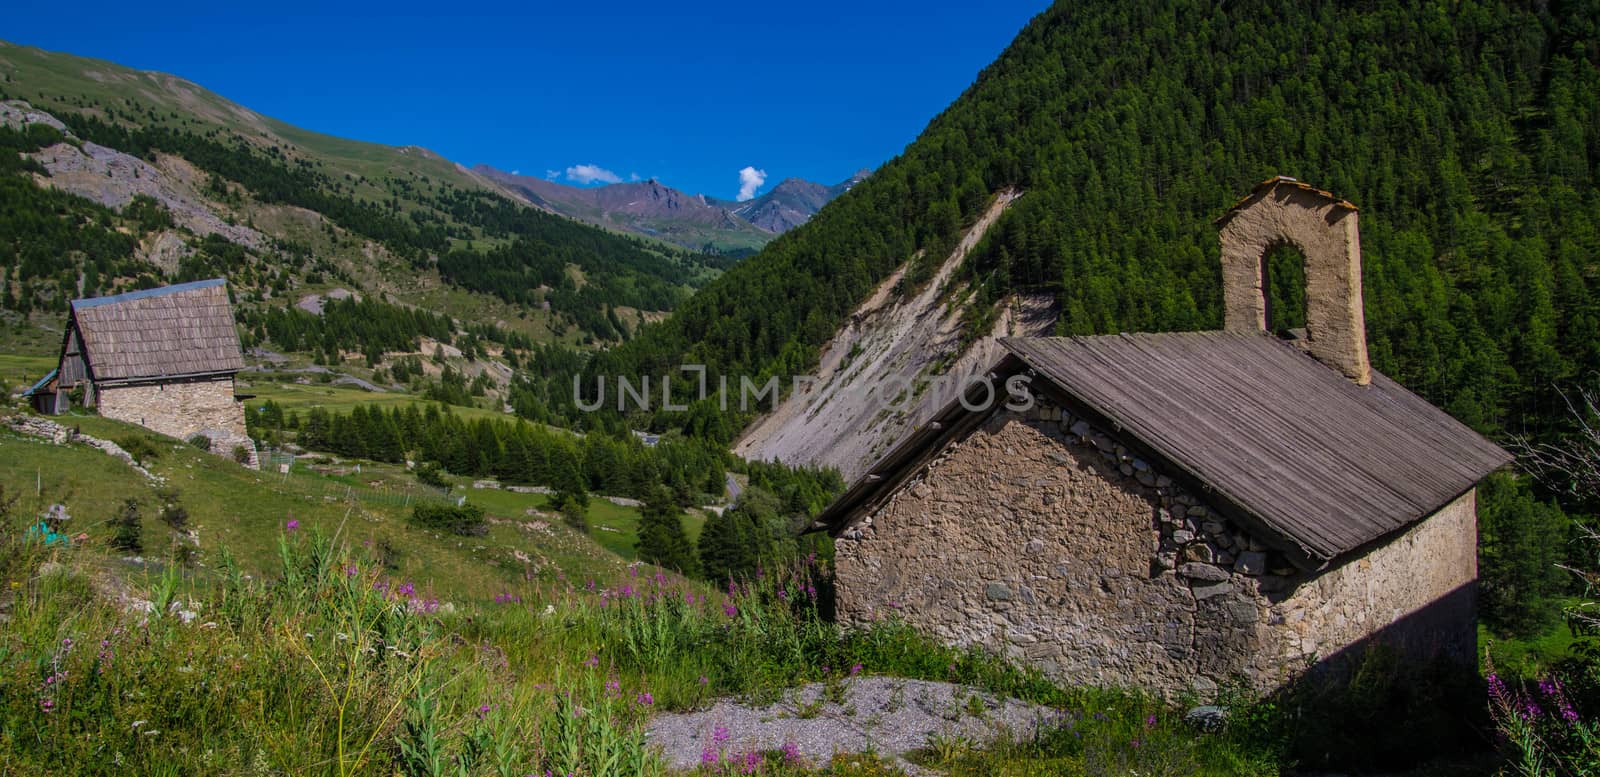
point(586, 174)
point(750, 179)
point(552, 174)
point(633, 177)
point(516, 172)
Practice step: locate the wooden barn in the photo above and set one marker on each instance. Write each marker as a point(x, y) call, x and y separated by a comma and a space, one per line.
point(164, 359)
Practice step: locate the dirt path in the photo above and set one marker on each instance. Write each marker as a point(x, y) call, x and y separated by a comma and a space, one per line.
point(890, 716)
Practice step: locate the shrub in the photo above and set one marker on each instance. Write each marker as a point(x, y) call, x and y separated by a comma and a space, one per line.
point(429, 473)
point(241, 454)
point(173, 513)
point(127, 528)
point(465, 519)
point(139, 447)
point(200, 441)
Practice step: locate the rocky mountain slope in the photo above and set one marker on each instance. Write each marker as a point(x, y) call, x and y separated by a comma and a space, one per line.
point(892, 343)
point(793, 202)
point(694, 221)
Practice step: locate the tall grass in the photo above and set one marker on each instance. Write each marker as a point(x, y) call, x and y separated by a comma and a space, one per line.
point(331, 666)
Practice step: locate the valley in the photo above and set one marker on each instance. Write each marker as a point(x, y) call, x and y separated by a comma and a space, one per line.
point(1304, 492)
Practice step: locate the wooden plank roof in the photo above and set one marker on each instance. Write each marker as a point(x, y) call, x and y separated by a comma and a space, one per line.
point(173, 331)
point(1323, 464)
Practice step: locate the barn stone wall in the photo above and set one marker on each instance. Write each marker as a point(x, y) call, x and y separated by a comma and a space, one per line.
point(1045, 539)
point(181, 409)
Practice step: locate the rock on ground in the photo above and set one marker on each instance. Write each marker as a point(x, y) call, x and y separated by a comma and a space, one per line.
point(890, 716)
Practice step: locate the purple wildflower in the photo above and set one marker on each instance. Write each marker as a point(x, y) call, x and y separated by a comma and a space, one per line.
point(291, 525)
point(645, 699)
point(721, 735)
point(791, 752)
point(1530, 710)
point(1497, 687)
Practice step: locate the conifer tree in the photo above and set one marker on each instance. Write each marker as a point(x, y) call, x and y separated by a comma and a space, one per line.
point(662, 540)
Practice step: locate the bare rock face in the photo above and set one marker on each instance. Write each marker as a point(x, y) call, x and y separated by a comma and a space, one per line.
point(892, 341)
point(113, 178)
point(17, 114)
point(165, 250)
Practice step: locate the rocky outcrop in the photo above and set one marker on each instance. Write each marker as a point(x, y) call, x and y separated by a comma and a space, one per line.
point(891, 341)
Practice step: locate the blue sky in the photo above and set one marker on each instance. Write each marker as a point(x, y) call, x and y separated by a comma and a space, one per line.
point(689, 93)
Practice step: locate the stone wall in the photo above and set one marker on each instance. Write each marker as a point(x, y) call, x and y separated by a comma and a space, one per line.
point(1045, 539)
point(1425, 580)
point(182, 409)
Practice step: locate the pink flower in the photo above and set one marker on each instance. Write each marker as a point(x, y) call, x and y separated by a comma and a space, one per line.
point(855, 670)
point(291, 525)
point(592, 661)
point(645, 699)
point(729, 610)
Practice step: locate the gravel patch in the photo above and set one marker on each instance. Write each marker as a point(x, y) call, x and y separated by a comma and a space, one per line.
point(890, 716)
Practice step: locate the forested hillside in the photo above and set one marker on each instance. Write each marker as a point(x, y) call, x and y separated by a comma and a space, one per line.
point(114, 179)
point(1468, 132)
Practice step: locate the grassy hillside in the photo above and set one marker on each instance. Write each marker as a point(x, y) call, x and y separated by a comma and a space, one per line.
point(245, 511)
point(1469, 133)
point(351, 643)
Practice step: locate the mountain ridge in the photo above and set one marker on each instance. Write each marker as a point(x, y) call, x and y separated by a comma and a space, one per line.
point(694, 221)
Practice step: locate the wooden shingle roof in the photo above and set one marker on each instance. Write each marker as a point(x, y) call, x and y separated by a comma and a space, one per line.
point(173, 331)
point(1324, 465)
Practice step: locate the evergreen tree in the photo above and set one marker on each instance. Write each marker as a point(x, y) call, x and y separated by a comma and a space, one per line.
point(1521, 542)
point(662, 540)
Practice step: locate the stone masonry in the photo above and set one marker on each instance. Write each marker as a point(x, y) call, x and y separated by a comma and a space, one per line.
point(1045, 539)
point(182, 409)
point(1325, 230)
